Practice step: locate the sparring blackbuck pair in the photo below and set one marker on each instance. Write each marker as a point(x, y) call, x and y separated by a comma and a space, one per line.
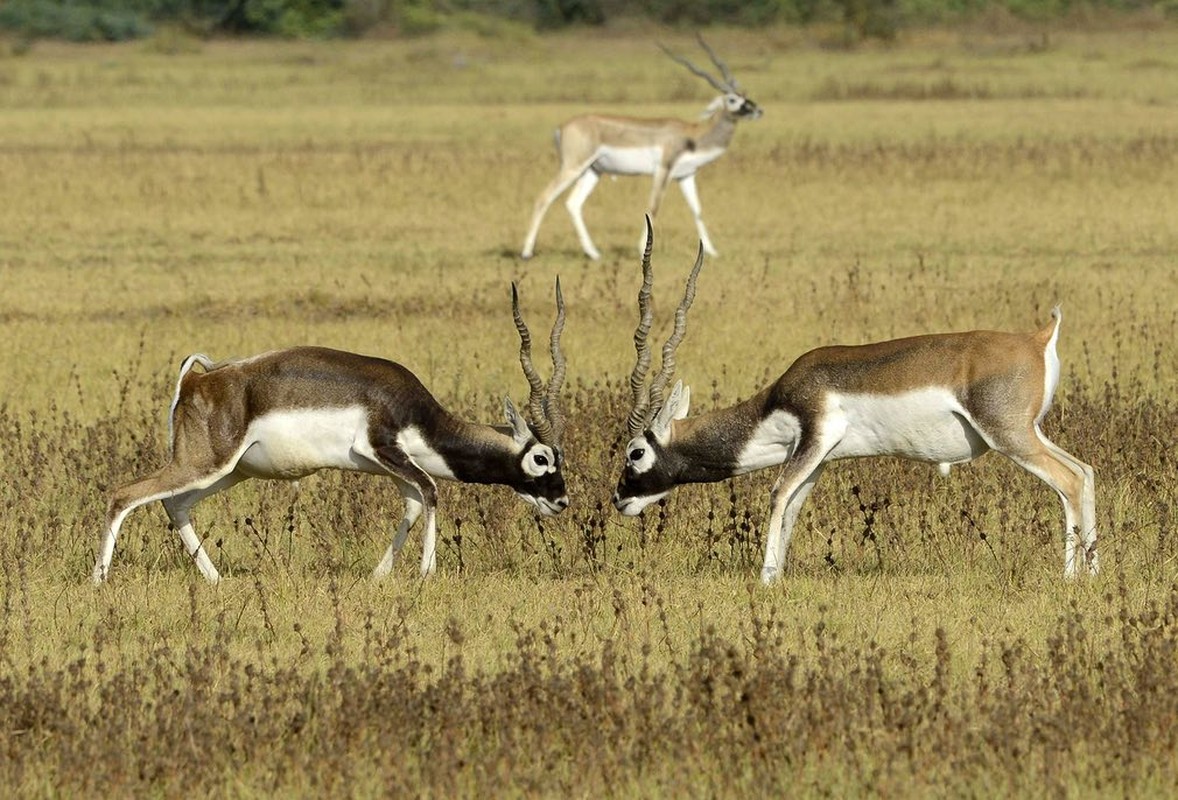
point(942, 398)
point(289, 413)
point(593, 145)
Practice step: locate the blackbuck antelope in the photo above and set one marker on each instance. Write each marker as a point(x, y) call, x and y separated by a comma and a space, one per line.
point(943, 398)
point(593, 145)
point(289, 413)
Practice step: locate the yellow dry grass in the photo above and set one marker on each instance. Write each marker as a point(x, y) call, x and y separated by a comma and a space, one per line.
point(233, 197)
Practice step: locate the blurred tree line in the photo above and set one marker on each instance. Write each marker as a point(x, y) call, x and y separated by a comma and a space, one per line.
point(113, 20)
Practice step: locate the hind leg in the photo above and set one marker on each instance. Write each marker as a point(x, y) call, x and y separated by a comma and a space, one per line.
point(553, 190)
point(1075, 483)
point(576, 200)
point(179, 508)
point(168, 483)
point(1081, 549)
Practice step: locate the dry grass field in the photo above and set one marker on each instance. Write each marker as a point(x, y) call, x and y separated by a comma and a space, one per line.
point(168, 197)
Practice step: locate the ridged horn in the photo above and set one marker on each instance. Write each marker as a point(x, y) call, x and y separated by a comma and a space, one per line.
point(540, 422)
point(552, 398)
point(641, 398)
point(659, 384)
point(719, 87)
point(720, 65)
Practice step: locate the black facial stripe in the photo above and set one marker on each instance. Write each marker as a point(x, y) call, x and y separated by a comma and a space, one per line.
point(653, 481)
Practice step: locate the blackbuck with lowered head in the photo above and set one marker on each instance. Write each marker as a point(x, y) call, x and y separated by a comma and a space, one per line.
point(593, 145)
point(943, 398)
point(289, 413)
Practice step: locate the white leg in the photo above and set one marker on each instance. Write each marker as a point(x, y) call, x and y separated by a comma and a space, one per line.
point(687, 186)
point(429, 547)
point(179, 510)
point(412, 512)
point(553, 190)
point(421, 494)
point(657, 188)
point(789, 493)
point(169, 483)
point(1087, 523)
point(194, 546)
point(575, 201)
point(106, 550)
point(1074, 482)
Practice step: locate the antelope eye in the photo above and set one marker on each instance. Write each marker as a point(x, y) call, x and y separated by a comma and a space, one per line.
point(637, 453)
point(540, 459)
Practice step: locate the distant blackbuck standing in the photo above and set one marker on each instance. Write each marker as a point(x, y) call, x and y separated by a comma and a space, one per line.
point(289, 413)
point(666, 149)
point(944, 398)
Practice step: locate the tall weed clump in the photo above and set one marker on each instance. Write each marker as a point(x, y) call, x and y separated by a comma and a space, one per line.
point(1089, 708)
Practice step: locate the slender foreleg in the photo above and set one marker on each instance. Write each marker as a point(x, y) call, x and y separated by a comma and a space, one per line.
point(413, 506)
point(790, 491)
point(658, 187)
point(575, 201)
point(401, 467)
point(688, 188)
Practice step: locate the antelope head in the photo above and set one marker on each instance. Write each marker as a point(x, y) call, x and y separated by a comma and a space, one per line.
point(541, 435)
point(732, 99)
point(650, 472)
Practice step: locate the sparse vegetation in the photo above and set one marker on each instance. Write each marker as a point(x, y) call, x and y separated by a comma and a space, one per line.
point(236, 197)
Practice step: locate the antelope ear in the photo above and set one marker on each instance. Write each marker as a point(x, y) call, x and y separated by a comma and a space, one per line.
point(519, 426)
point(674, 408)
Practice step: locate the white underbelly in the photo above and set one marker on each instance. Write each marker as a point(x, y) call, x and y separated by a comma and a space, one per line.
point(924, 425)
point(627, 160)
point(644, 161)
point(291, 444)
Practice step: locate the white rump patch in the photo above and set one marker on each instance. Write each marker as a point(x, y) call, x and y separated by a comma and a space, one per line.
point(415, 446)
point(293, 443)
point(926, 424)
point(1050, 374)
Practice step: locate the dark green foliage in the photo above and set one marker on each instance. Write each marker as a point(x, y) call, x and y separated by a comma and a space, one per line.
point(558, 13)
point(703, 12)
point(96, 20)
point(870, 19)
point(293, 18)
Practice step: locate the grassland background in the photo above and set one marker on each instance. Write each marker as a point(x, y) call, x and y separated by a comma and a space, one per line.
point(231, 197)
